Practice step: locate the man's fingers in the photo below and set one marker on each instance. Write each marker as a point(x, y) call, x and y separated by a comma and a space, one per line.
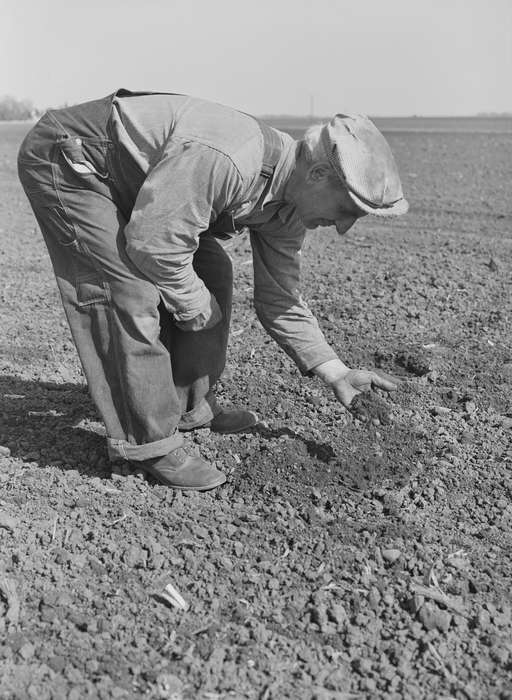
point(344, 392)
point(381, 380)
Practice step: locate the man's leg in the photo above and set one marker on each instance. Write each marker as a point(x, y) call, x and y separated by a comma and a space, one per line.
point(199, 357)
point(113, 316)
point(112, 310)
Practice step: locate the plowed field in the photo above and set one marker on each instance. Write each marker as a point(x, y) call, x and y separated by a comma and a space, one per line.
point(340, 560)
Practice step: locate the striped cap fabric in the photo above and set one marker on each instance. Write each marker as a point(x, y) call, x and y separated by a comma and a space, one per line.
point(362, 159)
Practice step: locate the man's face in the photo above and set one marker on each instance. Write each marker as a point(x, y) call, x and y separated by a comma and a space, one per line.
point(322, 200)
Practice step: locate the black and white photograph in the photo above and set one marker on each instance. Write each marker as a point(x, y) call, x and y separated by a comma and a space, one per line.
point(256, 350)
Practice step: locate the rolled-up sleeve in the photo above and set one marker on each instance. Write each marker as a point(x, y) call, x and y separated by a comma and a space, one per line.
point(285, 316)
point(186, 190)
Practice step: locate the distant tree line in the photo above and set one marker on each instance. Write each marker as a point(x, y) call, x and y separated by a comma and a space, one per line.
point(11, 108)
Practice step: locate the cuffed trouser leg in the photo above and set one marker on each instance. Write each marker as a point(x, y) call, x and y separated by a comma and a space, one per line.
point(199, 357)
point(111, 308)
point(115, 324)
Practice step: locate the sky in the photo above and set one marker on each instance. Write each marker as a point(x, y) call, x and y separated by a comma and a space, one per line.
point(379, 57)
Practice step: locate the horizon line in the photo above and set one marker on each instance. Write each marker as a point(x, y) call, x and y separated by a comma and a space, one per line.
point(314, 117)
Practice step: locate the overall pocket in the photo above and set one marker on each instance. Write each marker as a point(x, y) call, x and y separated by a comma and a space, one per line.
point(84, 156)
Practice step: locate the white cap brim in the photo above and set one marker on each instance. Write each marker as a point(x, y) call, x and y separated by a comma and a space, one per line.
point(396, 209)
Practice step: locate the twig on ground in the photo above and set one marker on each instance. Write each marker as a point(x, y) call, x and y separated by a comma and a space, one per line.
point(435, 654)
point(238, 332)
point(457, 554)
point(439, 597)
point(118, 520)
point(54, 532)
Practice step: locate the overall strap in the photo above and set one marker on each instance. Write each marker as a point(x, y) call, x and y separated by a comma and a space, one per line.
point(271, 150)
point(225, 226)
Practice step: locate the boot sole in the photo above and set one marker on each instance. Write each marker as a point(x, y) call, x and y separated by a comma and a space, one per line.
point(218, 482)
point(240, 428)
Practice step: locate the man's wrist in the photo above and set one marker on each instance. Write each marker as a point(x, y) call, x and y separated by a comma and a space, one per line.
point(331, 371)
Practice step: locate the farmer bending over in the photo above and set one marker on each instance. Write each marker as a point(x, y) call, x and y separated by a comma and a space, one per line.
point(132, 193)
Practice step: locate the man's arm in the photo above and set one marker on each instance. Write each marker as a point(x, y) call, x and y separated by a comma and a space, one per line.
point(285, 316)
point(276, 255)
point(187, 189)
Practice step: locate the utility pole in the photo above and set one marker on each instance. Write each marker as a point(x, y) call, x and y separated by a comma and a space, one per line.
point(311, 108)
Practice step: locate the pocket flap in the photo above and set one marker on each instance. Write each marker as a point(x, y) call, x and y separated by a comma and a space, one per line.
point(91, 290)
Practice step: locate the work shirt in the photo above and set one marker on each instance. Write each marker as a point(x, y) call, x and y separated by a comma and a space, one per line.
point(197, 160)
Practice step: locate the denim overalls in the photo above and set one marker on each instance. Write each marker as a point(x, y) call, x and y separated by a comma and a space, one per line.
point(145, 375)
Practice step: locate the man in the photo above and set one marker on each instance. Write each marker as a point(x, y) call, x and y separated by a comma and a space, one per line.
point(132, 193)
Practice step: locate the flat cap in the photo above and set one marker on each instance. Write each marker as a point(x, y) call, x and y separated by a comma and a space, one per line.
point(362, 159)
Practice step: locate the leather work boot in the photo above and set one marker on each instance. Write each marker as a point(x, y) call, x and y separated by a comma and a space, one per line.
point(181, 471)
point(232, 421)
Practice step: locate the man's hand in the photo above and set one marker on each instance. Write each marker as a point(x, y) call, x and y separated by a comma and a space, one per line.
point(356, 381)
point(352, 389)
point(205, 320)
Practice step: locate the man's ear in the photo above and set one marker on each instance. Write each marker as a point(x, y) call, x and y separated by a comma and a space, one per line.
point(318, 172)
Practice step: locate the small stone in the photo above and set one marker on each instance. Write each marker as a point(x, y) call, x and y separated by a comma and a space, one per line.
point(506, 370)
point(434, 618)
point(503, 617)
point(483, 619)
point(27, 651)
point(338, 614)
point(416, 630)
point(440, 410)
point(48, 613)
point(16, 641)
point(388, 598)
point(227, 563)
point(134, 556)
point(500, 654)
point(391, 555)
point(362, 666)
point(370, 685)
point(459, 563)
point(169, 685)
point(374, 598)
point(57, 663)
point(4, 451)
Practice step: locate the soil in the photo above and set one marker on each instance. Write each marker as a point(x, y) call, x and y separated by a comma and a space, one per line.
point(368, 406)
point(342, 559)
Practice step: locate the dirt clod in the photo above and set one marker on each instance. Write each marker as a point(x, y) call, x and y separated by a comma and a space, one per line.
point(368, 406)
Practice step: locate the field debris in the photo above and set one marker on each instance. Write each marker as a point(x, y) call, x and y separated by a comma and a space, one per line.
point(121, 519)
point(438, 596)
point(172, 596)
